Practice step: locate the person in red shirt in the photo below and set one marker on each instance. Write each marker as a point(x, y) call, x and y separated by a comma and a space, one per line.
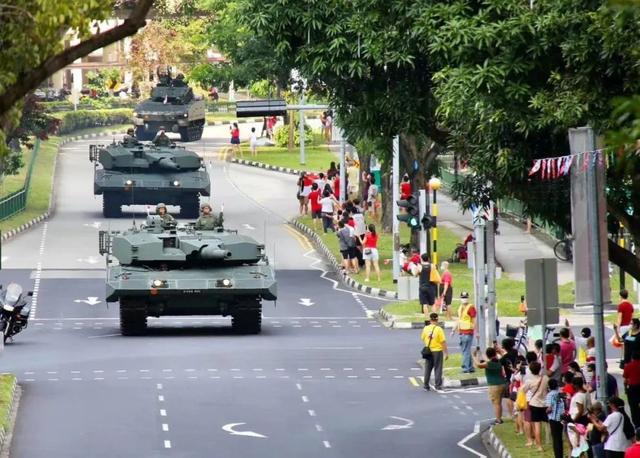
point(567, 348)
point(634, 450)
point(316, 206)
point(235, 138)
point(631, 377)
point(370, 252)
point(625, 312)
point(405, 187)
point(336, 186)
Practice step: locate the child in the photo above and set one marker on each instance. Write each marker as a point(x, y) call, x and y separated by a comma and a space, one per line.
point(253, 143)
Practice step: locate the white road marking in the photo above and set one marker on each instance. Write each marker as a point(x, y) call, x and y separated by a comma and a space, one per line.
point(462, 443)
point(159, 386)
point(326, 444)
point(406, 424)
point(163, 413)
point(165, 427)
point(91, 300)
point(305, 399)
point(230, 429)
point(299, 387)
point(312, 413)
point(167, 444)
point(160, 398)
point(319, 428)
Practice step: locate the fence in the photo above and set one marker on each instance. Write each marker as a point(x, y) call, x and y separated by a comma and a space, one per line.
point(511, 207)
point(17, 201)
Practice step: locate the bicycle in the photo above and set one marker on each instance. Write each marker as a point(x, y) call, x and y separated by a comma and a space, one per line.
point(521, 336)
point(563, 249)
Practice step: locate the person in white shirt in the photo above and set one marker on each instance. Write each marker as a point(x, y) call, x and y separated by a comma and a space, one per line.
point(327, 201)
point(253, 142)
point(614, 425)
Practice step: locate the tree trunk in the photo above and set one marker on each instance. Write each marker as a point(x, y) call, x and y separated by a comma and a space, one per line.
point(29, 81)
point(624, 259)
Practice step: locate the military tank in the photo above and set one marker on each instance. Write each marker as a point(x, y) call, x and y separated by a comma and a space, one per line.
point(172, 106)
point(179, 271)
point(130, 172)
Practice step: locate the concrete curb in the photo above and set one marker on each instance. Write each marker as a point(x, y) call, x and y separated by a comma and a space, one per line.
point(262, 165)
point(455, 383)
point(38, 219)
point(7, 412)
point(319, 244)
point(390, 321)
point(495, 444)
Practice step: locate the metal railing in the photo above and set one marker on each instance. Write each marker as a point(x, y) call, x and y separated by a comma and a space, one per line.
point(16, 202)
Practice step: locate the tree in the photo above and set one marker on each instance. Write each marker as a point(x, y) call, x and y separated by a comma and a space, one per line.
point(376, 68)
point(517, 78)
point(31, 34)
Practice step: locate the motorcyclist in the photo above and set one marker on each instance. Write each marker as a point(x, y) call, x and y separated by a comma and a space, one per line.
point(207, 220)
point(167, 219)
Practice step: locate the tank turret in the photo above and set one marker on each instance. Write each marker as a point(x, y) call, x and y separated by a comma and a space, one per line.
point(183, 271)
point(127, 174)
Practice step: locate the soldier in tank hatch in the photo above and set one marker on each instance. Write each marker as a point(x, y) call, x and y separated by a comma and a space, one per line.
point(129, 139)
point(207, 220)
point(167, 219)
point(161, 138)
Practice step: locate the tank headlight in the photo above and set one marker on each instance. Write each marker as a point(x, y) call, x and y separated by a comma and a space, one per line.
point(224, 283)
point(185, 115)
point(176, 183)
point(157, 283)
point(129, 182)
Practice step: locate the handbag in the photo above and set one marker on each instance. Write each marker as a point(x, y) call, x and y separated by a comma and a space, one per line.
point(434, 276)
point(367, 251)
point(521, 400)
point(426, 350)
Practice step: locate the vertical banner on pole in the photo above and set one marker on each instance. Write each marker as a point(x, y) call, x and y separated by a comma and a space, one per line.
point(490, 241)
point(343, 166)
point(479, 276)
point(422, 211)
point(395, 187)
point(301, 129)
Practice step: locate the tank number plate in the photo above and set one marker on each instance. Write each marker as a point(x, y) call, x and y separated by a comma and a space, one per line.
point(191, 291)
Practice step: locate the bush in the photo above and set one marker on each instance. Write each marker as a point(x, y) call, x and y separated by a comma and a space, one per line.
point(87, 103)
point(84, 119)
point(281, 135)
point(221, 107)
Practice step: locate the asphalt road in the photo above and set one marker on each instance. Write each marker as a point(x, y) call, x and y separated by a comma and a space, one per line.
point(322, 380)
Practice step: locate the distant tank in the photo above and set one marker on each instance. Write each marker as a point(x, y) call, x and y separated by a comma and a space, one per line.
point(172, 106)
point(129, 173)
point(183, 271)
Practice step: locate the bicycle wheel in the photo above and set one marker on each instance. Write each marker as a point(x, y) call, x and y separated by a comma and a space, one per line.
point(562, 250)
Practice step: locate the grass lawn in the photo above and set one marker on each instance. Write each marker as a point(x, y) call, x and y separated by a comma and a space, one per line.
point(219, 116)
point(38, 200)
point(317, 155)
point(515, 443)
point(6, 383)
point(12, 183)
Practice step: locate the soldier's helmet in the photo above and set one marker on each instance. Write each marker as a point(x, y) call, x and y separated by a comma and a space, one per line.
point(130, 131)
point(205, 205)
point(159, 206)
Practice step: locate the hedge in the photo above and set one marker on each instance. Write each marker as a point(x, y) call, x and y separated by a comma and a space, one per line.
point(103, 103)
point(84, 119)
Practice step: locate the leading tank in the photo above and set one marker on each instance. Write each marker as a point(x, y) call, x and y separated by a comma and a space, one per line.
point(130, 172)
point(172, 106)
point(164, 271)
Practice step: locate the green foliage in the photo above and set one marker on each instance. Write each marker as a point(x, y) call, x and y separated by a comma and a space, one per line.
point(281, 135)
point(262, 89)
point(88, 103)
point(213, 75)
point(83, 119)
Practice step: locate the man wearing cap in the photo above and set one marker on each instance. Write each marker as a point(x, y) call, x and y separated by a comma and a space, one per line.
point(434, 339)
point(129, 139)
point(466, 328)
point(167, 219)
point(207, 220)
point(161, 138)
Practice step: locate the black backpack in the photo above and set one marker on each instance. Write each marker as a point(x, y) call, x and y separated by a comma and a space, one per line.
point(627, 428)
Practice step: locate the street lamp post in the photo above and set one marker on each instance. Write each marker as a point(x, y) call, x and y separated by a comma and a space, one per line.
point(434, 185)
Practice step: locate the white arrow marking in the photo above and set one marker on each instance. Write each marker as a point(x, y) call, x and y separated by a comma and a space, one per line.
point(90, 260)
point(408, 424)
point(88, 300)
point(95, 224)
point(305, 301)
point(248, 226)
point(229, 428)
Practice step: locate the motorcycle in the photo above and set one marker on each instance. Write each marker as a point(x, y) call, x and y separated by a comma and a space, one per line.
point(14, 311)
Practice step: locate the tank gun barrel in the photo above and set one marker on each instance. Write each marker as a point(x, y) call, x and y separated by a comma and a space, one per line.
point(213, 252)
point(167, 163)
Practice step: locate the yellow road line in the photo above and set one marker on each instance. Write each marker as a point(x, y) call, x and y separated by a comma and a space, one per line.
point(304, 243)
point(413, 381)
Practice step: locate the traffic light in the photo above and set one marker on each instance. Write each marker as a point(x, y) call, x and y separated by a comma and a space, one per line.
point(428, 221)
point(410, 216)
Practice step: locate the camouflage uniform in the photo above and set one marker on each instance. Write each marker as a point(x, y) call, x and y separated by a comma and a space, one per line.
point(167, 219)
point(162, 140)
point(209, 221)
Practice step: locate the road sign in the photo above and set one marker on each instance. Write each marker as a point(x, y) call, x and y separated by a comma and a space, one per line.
point(541, 279)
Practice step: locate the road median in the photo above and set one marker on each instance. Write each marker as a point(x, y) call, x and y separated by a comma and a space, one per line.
point(9, 398)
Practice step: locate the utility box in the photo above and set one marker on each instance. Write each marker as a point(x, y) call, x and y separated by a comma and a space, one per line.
point(408, 287)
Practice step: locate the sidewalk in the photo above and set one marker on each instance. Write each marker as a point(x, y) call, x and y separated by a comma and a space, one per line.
point(513, 245)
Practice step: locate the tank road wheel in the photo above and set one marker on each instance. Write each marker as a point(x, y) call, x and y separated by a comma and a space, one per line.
point(133, 317)
point(111, 205)
point(190, 207)
point(247, 320)
point(144, 135)
point(192, 132)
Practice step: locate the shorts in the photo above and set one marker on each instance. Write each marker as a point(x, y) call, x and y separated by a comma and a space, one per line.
point(538, 414)
point(372, 256)
point(235, 141)
point(448, 298)
point(426, 296)
point(349, 253)
point(495, 393)
point(316, 214)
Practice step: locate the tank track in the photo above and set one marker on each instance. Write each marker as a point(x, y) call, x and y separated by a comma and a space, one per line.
point(248, 319)
point(111, 205)
point(133, 317)
point(192, 132)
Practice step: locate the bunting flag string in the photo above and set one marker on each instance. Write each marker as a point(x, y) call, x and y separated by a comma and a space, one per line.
point(552, 168)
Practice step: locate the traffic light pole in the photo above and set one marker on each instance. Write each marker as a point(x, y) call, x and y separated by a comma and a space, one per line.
point(424, 233)
point(395, 223)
